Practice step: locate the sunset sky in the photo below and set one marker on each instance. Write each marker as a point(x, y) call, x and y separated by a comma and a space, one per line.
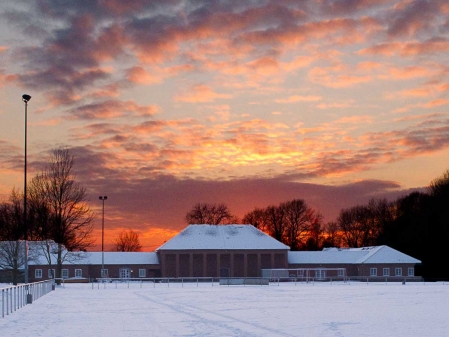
point(168, 103)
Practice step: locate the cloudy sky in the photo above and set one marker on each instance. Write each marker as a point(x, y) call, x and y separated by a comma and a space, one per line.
point(167, 103)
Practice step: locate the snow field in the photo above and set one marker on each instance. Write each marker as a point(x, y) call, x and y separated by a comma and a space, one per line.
point(320, 309)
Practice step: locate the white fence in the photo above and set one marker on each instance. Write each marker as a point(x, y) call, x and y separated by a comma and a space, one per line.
point(15, 297)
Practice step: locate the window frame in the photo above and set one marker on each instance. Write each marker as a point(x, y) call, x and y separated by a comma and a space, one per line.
point(38, 273)
point(410, 271)
point(104, 272)
point(386, 271)
point(49, 273)
point(142, 273)
point(398, 271)
point(320, 274)
point(80, 271)
point(64, 273)
point(373, 271)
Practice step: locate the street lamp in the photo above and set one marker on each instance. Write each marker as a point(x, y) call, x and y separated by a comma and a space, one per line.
point(25, 98)
point(102, 198)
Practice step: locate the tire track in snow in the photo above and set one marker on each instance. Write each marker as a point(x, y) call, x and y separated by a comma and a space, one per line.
point(215, 319)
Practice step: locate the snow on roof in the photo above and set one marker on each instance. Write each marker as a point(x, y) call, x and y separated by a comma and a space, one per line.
point(110, 258)
point(376, 254)
point(222, 237)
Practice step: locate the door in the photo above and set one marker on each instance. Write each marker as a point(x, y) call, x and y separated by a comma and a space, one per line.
point(125, 273)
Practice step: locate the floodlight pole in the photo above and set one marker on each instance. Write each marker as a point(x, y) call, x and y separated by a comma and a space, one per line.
point(25, 99)
point(102, 198)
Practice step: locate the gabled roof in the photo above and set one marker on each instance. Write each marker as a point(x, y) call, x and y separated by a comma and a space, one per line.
point(222, 237)
point(365, 255)
point(110, 258)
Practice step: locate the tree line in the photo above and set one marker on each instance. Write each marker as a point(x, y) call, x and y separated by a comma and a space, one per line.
point(416, 224)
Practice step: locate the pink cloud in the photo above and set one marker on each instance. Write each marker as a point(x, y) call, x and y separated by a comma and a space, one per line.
point(408, 73)
point(337, 104)
point(432, 46)
point(337, 76)
point(112, 109)
point(409, 18)
point(299, 98)
point(199, 94)
point(154, 74)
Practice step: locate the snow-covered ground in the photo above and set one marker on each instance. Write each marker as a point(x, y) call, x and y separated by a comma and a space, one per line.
point(320, 309)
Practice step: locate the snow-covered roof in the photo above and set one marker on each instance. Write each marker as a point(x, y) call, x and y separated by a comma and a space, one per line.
point(376, 254)
point(222, 237)
point(95, 258)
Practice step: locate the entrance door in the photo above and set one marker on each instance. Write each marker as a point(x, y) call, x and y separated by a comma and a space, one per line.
point(320, 274)
point(125, 273)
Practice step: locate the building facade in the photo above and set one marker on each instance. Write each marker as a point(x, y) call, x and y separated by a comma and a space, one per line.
point(230, 251)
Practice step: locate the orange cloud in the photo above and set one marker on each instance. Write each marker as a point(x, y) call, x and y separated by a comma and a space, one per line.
point(298, 98)
point(338, 104)
point(199, 94)
point(355, 120)
point(408, 73)
point(155, 74)
point(337, 76)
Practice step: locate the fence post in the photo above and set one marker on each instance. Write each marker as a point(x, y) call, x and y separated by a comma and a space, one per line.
point(3, 303)
point(29, 294)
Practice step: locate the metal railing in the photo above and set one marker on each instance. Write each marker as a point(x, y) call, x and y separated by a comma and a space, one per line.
point(15, 297)
point(167, 281)
point(211, 281)
point(153, 281)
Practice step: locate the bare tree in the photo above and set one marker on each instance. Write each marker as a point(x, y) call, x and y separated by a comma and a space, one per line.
point(256, 218)
point(275, 222)
point(439, 187)
point(332, 236)
point(212, 214)
point(292, 222)
point(127, 241)
point(299, 219)
point(12, 248)
point(362, 225)
point(12, 257)
point(70, 219)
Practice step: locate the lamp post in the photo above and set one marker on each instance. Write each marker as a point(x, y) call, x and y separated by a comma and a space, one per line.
point(25, 98)
point(102, 198)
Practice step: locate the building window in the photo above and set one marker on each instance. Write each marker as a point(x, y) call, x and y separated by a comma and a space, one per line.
point(142, 273)
point(65, 273)
point(373, 272)
point(104, 273)
point(38, 273)
point(411, 271)
point(320, 274)
point(78, 273)
point(341, 272)
point(386, 271)
point(51, 273)
point(398, 271)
